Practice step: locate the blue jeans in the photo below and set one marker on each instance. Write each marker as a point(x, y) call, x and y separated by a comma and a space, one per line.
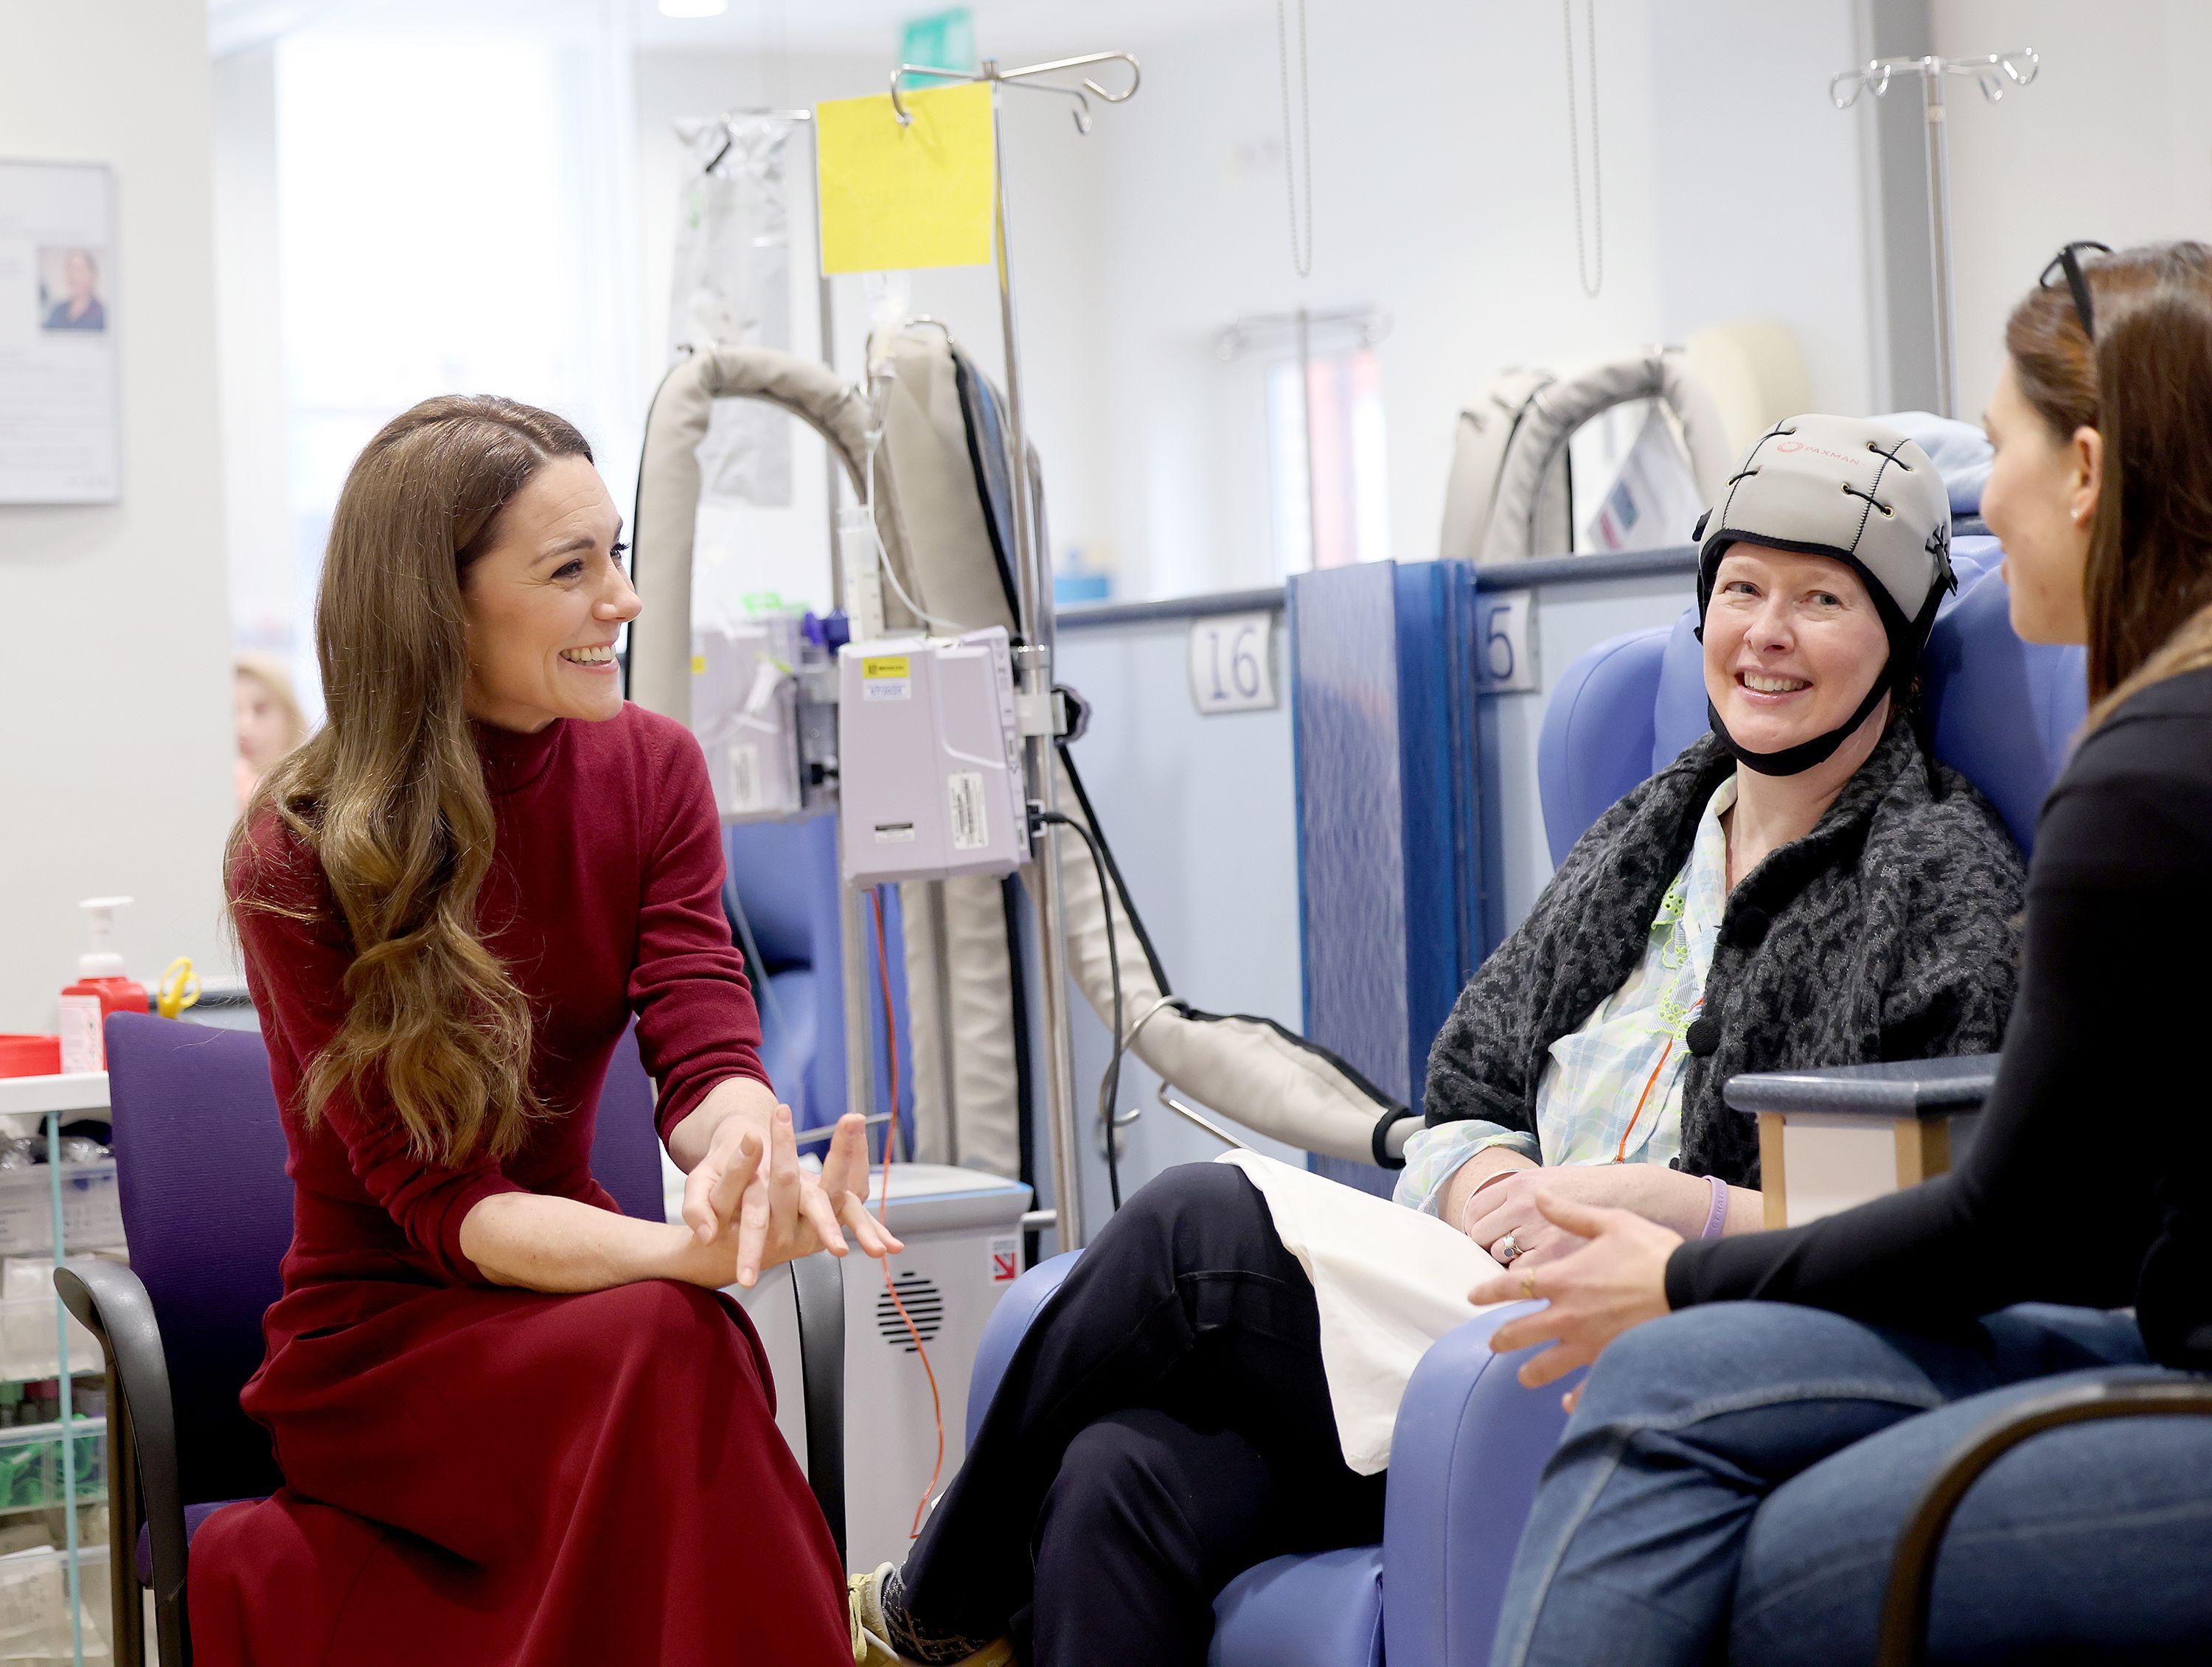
point(1736, 1477)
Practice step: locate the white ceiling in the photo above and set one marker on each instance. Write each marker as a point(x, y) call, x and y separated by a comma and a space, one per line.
point(1007, 28)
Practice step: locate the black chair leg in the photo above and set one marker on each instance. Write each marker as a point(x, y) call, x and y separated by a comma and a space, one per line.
point(108, 1300)
point(817, 1287)
point(126, 1510)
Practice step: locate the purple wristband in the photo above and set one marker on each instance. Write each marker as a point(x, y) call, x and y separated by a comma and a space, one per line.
point(1716, 1217)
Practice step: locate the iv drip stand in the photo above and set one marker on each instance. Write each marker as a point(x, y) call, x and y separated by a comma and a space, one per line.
point(852, 928)
point(1033, 662)
point(1990, 73)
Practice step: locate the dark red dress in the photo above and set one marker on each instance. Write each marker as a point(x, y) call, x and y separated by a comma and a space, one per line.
point(478, 1475)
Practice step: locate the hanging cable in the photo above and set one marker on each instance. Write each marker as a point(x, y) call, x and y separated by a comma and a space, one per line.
point(1300, 248)
point(1591, 274)
point(1109, 1086)
point(884, 1213)
point(883, 556)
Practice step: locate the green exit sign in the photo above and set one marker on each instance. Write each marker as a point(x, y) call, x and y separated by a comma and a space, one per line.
point(942, 40)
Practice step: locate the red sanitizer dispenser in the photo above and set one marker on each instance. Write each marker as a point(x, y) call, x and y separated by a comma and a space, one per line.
point(100, 990)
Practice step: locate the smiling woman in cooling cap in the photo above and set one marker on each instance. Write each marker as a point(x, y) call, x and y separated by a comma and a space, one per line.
point(1803, 886)
point(1788, 642)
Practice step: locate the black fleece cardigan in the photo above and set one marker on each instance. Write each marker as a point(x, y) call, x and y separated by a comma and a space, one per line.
point(1887, 932)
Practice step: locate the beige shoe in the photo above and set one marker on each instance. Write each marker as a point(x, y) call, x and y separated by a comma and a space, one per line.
point(870, 1646)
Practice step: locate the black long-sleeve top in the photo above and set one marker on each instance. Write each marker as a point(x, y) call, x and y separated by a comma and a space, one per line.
point(2089, 1181)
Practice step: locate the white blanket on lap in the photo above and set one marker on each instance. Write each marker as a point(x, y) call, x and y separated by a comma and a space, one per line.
point(1389, 1281)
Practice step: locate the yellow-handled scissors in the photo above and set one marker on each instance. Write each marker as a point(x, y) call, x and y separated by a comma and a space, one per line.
point(179, 988)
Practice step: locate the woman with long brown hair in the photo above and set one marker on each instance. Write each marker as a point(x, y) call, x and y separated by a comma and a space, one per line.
point(1735, 1475)
point(515, 1426)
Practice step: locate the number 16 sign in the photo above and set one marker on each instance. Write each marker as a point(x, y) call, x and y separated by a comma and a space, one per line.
point(1231, 664)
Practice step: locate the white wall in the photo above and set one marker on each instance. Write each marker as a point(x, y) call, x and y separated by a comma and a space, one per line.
point(1442, 191)
point(2113, 142)
point(115, 721)
point(1761, 207)
point(270, 605)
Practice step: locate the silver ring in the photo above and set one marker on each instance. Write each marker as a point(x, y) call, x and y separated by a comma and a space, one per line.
point(1505, 1249)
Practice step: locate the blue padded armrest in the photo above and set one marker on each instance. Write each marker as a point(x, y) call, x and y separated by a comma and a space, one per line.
point(1003, 1331)
point(1595, 745)
point(1469, 1447)
point(1323, 1609)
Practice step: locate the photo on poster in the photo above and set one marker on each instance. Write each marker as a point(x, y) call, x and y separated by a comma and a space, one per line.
point(60, 397)
point(70, 296)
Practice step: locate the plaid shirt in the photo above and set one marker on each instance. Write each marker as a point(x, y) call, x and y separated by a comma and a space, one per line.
point(1612, 1091)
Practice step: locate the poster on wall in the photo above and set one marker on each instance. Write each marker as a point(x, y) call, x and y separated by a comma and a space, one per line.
point(59, 406)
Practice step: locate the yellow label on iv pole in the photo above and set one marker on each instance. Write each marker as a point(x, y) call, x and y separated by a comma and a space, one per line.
point(895, 196)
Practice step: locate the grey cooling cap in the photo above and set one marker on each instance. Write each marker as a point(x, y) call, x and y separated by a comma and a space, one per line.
point(1840, 486)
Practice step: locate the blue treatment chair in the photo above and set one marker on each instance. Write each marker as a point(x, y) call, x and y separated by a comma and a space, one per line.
point(784, 876)
point(1470, 1442)
point(1469, 1447)
point(1902, 1641)
point(782, 891)
point(207, 1212)
point(2002, 712)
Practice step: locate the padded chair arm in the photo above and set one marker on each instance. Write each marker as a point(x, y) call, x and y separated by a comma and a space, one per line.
point(817, 1289)
point(111, 1302)
point(1004, 1330)
point(1469, 1447)
point(1904, 1640)
point(1924, 1090)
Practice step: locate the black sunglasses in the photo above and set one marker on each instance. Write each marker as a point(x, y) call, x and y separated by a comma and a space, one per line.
point(2068, 260)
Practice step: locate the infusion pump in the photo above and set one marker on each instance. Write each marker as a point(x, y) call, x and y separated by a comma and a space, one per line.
point(915, 740)
point(769, 748)
point(929, 758)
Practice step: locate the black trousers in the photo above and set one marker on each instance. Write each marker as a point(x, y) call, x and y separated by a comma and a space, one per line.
point(1165, 1426)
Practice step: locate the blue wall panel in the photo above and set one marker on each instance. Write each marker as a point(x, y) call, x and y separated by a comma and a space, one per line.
point(1384, 725)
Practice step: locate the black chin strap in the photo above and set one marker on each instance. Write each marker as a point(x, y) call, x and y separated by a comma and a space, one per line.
point(1796, 760)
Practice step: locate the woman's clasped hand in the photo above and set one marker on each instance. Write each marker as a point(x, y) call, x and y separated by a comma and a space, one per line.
point(1508, 1205)
point(750, 1204)
point(1614, 1279)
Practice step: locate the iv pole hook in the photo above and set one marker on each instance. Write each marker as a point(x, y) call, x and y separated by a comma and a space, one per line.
point(1024, 77)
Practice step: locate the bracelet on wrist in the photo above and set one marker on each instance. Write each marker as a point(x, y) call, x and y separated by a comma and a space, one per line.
point(1717, 1212)
point(1467, 1208)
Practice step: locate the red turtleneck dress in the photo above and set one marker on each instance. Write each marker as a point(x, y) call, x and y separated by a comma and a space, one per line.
point(477, 1476)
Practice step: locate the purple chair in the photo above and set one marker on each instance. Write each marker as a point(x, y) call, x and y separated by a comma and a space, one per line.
point(207, 1212)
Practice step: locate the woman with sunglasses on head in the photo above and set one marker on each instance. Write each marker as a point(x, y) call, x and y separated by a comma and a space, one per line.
point(1735, 1474)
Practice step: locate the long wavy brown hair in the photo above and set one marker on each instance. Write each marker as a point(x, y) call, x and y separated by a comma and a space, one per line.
point(2145, 386)
point(389, 794)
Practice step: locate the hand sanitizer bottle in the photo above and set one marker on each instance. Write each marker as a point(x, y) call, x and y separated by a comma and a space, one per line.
point(100, 990)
